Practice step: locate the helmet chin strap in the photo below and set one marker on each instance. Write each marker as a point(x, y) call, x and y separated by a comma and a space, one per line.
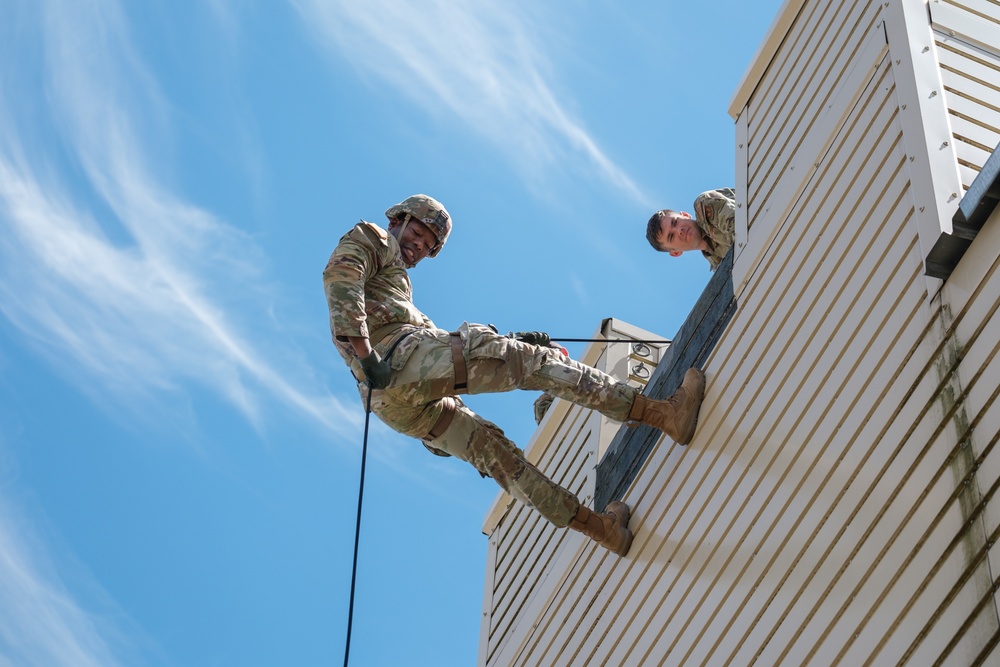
point(399, 236)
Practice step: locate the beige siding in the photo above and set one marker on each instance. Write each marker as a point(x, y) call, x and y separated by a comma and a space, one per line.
point(969, 57)
point(786, 127)
point(839, 502)
point(527, 546)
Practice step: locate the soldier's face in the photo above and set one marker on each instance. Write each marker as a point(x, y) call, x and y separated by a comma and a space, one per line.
point(416, 240)
point(678, 234)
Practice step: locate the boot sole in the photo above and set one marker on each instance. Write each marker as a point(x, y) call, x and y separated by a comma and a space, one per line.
point(699, 387)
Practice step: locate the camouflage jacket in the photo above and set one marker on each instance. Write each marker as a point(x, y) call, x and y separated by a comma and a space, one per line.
point(367, 287)
point(715, 214)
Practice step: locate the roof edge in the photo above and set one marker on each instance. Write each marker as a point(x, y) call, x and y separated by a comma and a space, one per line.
point(765, 53)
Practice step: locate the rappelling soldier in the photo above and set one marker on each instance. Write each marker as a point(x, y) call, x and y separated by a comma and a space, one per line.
point(415, 371)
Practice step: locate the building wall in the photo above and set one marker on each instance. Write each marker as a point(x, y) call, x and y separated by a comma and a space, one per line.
point(837, 505)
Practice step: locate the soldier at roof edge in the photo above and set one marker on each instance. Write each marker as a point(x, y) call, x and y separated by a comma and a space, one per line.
point(415, 371)
point(711, 229)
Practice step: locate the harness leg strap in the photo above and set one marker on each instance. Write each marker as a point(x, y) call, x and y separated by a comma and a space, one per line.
point(444, 421)
point(458, 358)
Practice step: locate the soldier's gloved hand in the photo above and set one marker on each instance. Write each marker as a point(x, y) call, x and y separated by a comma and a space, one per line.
point(377, 372)
point(533, 337)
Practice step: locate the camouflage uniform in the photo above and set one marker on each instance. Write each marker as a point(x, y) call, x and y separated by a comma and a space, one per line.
point(369, 294)
point(714, 213)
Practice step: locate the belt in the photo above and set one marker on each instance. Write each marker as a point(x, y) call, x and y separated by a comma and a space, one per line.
point(382, 335)
point(386, 331)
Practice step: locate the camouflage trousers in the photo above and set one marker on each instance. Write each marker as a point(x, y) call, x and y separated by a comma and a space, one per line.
point(423, 383)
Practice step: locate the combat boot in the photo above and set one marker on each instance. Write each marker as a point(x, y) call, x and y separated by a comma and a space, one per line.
point(676, 416)
point(609, 529)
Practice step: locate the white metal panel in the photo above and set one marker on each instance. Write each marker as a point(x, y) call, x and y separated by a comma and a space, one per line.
point(488, 599)
point(527, 549)
point(824, 446)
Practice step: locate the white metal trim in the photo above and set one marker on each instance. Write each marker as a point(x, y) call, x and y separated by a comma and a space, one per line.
point(923, 115)
point(741, 183)
point(489, 579)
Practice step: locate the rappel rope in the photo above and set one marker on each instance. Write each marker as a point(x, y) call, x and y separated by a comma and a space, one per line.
point(609, 340)
point(364, 457)
point(357, 529)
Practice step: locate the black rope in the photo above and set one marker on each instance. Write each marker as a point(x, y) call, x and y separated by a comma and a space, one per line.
point(608, 340)
point(357, 529)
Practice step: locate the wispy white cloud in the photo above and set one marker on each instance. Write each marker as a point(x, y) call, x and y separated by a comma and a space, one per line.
point(41, 623)
point(123, 283)
point(483, 63)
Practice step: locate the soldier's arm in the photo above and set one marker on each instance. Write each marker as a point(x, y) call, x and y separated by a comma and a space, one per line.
point(361, 344)
point(719, 211)
point(352, 263)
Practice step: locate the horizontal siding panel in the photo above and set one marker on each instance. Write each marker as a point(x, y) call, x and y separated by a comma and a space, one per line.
point(529, 545)
point(988, 10)
point(961, 61)
point(973, 21)
point(962, 629)
point(903, 554)
point(793, 105)
point(790, 97)
point(974, 292)
point(924, 596)
point(970, 75)
point(562, 464)
point(858, 450)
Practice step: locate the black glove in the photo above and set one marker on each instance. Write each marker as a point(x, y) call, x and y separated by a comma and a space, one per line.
point(533, 337)
point(377, 372)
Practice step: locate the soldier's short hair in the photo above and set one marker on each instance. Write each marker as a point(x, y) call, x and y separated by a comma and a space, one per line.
point(653, 227)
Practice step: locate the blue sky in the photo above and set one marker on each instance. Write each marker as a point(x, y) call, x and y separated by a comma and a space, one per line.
point(179, 441)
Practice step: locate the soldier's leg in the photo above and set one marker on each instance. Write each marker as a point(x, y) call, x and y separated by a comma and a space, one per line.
point(446, 426)
point(473, 439)
point(498, 363)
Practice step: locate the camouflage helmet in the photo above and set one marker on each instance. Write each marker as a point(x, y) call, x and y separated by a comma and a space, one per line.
point(428, 211)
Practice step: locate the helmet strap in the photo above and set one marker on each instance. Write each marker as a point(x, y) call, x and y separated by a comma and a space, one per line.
point(399, 235)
